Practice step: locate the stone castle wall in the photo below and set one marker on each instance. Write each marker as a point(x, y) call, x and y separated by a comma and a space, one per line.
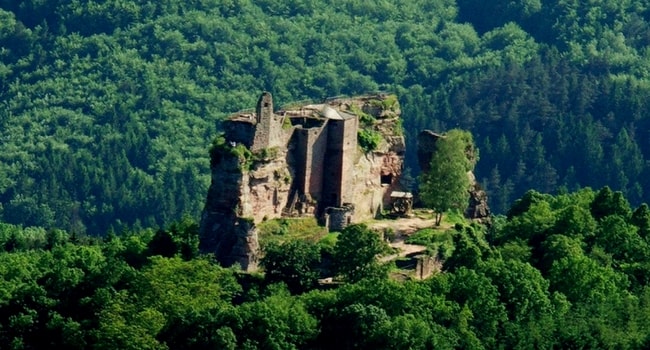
point(312, 145)
point(349, 148)
point(324, 162)
point(337, 218)
point(426, 266)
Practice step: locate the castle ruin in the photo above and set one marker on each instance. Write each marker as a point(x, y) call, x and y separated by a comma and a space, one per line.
point(303, 160)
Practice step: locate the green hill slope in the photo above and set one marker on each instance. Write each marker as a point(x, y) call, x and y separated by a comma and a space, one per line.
point(107, 108)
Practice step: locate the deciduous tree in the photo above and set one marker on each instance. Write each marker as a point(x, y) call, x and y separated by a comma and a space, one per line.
point(446, 184)
point(356, 252)
point(293, 262)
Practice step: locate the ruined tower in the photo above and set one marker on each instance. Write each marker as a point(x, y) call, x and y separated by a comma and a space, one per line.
point(268, 126)
point(341, 147)
point(310, 155)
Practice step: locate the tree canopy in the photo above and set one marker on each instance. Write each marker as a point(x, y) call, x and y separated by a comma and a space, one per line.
point(356, 251)
point(107, 108)
point(575, 281)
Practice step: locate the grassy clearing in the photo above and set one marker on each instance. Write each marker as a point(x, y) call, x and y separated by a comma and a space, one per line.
point(280, 230)
point(438, 242)
point(454, 217)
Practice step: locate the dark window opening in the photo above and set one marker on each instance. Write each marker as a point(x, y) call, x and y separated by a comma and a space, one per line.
point(386, 179)
point(266, 104)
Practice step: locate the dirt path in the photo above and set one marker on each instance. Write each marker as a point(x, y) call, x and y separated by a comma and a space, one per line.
point(403, 249)
point(404, 227)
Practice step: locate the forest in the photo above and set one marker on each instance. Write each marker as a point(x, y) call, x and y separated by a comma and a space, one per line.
point(108, 107)
point(566, 271)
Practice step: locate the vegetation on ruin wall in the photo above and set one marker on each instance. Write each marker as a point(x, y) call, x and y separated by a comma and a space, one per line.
point(368, 137)
point(246, 160)
point(221, 150)
point(365, 120)
point(563, 271)
point(388, 103)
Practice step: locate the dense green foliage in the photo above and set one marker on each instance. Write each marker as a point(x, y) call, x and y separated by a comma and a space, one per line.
point(294, 263)
point(355, 254)
point(107, 108)
point(564, 271)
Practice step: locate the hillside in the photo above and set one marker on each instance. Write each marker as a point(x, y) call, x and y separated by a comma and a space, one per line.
point(108, 108)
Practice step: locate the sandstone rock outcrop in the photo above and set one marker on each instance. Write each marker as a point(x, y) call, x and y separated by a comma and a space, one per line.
point(478, 208)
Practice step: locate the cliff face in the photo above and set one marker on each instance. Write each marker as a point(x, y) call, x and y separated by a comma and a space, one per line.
point(341, 158)
point(265, 188)
point(223, 231)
